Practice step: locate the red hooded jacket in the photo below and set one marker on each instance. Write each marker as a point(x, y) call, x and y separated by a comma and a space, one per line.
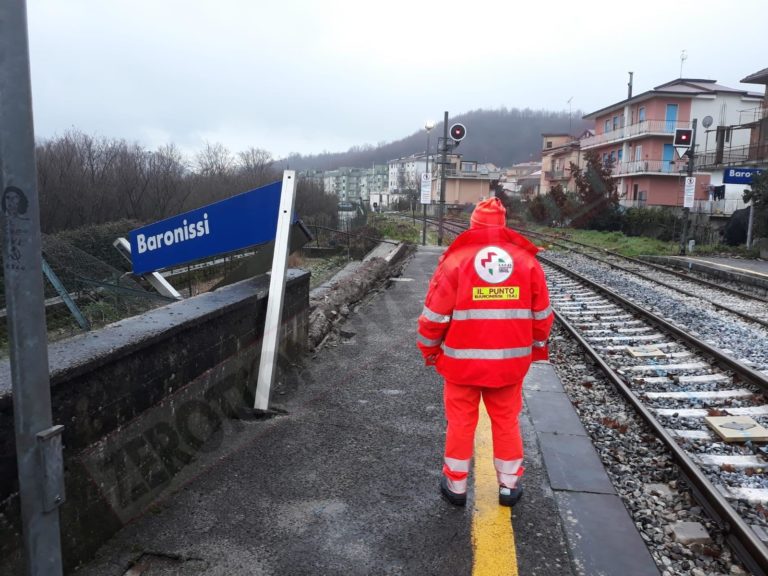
point(487, 315)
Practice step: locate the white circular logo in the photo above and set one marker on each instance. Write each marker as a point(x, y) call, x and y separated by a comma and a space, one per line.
point(493, 264)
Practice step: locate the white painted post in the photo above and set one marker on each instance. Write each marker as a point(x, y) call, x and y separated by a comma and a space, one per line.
point(272, 323)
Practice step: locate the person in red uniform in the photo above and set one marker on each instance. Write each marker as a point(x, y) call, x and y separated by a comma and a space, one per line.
point(486, 317)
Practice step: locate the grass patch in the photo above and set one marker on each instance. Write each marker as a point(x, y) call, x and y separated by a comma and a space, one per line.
point(618, 242)
point(400, 229)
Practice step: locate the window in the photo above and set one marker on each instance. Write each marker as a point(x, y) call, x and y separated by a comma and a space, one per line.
point(613, 156)
point(549, 143)
point(634, 191)
point(641, 114)
point(607, 126)
point(615, 122)
point(639, 152)
point(620, 154)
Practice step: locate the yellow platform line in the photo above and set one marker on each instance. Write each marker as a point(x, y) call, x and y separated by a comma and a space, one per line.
point(493, 540)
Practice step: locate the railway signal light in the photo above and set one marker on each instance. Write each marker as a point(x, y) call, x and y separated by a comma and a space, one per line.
point(458, 132)
point(683, 137)
point(682, 141)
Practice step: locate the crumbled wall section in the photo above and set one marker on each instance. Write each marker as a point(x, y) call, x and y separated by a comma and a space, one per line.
point(142, 398)
point(332, 305)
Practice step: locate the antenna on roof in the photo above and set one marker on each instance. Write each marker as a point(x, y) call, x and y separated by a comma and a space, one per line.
point(683, 58)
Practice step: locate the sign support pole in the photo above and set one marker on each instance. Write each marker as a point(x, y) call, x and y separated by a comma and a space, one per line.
point(686, 209)
point(38, 442)
point(443, 163)
point(271, 340)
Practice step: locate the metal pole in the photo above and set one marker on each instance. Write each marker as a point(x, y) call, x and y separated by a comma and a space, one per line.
point(686, 211)
point(424, 206)
point(749, 226)
point(443, 162)
point(38, 444)
point(272, 323)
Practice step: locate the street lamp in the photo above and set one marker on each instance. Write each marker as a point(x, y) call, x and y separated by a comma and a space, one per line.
point(428, 127)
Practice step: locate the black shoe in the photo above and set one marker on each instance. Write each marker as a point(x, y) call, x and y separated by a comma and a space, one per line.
point(453, 497)
point(510, 496)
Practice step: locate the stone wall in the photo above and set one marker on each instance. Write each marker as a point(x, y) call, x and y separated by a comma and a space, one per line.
point(143, 401)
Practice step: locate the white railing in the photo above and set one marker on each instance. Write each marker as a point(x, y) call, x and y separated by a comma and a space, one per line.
point(646, 166)
point(644, 128)
point(725, 207)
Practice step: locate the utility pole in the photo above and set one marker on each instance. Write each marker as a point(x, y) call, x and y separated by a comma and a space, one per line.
point(443, 163)
point(38, 442)
point(428, 127)
point(686, 209)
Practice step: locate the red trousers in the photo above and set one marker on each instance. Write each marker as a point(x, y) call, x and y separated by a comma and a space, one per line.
point(461, 410)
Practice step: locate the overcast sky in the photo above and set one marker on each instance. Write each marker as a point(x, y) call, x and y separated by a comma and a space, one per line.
point(308, 76)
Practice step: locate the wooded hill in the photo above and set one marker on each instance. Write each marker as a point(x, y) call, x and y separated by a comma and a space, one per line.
point(503, 137)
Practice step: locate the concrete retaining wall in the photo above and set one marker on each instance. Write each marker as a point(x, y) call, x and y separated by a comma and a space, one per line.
point(143, 401)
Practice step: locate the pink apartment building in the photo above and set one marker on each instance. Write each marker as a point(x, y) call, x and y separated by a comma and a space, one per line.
point(637, 134)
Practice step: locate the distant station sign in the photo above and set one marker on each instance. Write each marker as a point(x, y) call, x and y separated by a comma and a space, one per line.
point(689, 192)
point(740, 175)
point(244, 220)
point(426, 188)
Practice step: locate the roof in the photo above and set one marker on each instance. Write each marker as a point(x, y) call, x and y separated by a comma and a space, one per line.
point(760, 77)
point(678, 87)
point(556, 134)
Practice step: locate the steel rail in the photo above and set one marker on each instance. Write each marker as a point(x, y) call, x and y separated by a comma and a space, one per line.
point(664, 269)
point(740, 536)
point(716, 305)
point(755, 377)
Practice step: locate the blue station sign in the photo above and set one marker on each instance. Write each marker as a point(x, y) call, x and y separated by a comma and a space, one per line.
point(740, 175)
point(244, 220)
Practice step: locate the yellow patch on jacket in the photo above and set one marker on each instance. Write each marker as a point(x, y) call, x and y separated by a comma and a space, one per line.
point(496, 293)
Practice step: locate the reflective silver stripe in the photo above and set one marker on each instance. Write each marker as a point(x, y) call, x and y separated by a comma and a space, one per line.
point(428, 342)
point(542, 314)
point(488, 314)
point(507, 466)
point(539, 343)
point(457, 465)
point(435, 317)
point(508, 472)
point(456, 486)
point(486, 354)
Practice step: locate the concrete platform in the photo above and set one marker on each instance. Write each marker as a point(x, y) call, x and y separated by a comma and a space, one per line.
point(742, 270)
point(346, 482)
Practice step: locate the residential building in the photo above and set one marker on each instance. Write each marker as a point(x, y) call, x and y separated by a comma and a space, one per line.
point(757, 120)
point(405, 173)
point(343, 182)
point(558, 151)
point(466, 182)
point(374, 184)
point(314, 176)
point(530, 185)
point(636, 136)
point(510, 177)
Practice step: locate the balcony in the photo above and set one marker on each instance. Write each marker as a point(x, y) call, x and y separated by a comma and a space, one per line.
point(637, 130)
point(753, 115)
point(648, 167)
point(485, 175)
point(557, 175)
point(733, 156)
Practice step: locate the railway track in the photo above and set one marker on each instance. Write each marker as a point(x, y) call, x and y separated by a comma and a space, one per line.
point(747, 305)
point(675, 382)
